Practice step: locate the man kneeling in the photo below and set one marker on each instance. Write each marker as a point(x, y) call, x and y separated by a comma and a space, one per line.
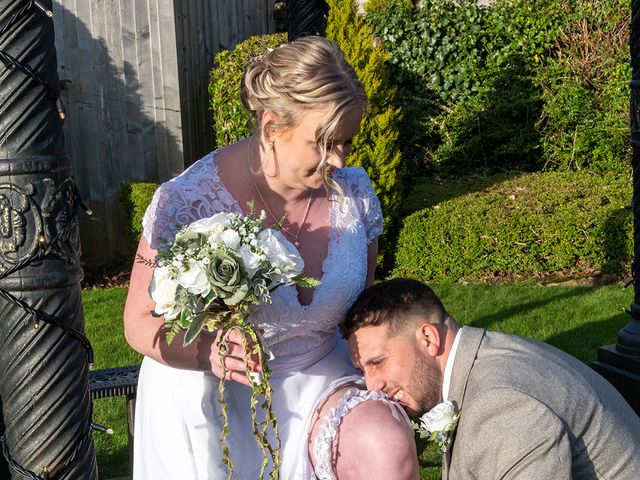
point(527, 410)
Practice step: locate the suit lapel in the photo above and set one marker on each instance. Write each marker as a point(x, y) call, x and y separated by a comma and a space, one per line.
point(468, 346)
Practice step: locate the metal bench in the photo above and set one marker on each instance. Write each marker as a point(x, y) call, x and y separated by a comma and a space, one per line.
point(116, 382)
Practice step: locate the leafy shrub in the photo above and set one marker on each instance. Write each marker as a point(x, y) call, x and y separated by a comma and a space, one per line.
point(439, 44)
point(584, 79)
point(433, 55)
point(535, 224)
point(231, 121)
point(496, 127)
point(376, 147)
point(470, 67)
point(520, 85)
point(135, 197)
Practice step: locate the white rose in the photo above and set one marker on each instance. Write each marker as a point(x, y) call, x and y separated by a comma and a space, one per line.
point(194, 279)
point(215, 223)
point(439, 417)
point(215, 238)
point(231, 239)
point(281, 253)
point(250, 260)
point(162, 290)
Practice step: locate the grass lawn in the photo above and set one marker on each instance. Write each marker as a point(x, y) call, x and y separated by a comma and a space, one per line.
point(103, 325)
point(575, 319)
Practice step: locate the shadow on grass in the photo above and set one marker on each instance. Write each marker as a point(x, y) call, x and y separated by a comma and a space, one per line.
point(108, 458)
point(583, 341)
point(112, 451)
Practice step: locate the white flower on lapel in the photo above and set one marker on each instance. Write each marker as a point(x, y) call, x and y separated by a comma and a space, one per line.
point(438, 424)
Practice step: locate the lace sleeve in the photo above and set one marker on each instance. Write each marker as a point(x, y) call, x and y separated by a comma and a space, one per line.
point(196, 193)
point(367, 203)
point(159, 224)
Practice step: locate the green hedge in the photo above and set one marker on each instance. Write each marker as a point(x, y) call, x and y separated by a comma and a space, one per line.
point(135, 197)
point(568, 223)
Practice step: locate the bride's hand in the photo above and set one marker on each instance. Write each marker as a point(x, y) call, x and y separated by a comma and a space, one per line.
point(234, 359)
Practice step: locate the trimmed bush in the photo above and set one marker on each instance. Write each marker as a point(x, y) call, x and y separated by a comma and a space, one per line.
point(231, 121)
point(135, 198)
point(376, 147)
point(569, 223)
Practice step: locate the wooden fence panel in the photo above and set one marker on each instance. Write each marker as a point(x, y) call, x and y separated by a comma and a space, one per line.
point(203, 29)
point(135, 77)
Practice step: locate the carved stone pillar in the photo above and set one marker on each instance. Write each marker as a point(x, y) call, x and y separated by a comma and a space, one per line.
point(44, 356)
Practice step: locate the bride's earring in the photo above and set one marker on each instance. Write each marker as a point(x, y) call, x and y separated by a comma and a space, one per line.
point(255, 173)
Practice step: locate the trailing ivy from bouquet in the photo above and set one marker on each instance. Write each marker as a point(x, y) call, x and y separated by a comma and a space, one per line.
point(209, 278)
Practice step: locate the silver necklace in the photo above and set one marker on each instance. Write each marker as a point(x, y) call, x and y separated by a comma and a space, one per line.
point(280, 223)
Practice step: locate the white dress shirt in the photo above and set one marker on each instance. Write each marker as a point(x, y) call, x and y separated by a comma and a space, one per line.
point(446, 381)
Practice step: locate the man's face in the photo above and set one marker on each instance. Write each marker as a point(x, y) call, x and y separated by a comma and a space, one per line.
point(398, 366)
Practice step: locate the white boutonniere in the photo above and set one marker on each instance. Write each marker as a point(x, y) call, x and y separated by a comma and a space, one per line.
point(438, 425)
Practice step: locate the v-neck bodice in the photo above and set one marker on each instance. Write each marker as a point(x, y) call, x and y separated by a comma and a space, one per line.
point(290, 329)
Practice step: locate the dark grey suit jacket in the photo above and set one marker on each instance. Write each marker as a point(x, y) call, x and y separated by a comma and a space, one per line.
point(531, 411)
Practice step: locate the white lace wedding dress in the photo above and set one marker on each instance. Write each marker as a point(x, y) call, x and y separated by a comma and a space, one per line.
point(177, 422)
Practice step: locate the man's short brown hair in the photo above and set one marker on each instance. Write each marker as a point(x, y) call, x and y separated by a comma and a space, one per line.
point(396, 303)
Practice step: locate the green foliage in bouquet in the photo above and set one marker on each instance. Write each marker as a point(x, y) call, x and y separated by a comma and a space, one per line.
point(552, 224)
point(376, 147)
point(231, 121)
point(209, 278)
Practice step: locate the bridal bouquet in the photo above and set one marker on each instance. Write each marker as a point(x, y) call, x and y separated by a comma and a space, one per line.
point(209, 278)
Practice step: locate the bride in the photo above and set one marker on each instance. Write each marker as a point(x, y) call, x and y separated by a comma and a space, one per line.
point(307, 104)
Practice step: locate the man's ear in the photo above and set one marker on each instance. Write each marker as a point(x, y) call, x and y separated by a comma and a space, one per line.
point(428, 338)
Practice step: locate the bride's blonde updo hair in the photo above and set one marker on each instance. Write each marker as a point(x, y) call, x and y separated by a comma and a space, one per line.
point(305, 74)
